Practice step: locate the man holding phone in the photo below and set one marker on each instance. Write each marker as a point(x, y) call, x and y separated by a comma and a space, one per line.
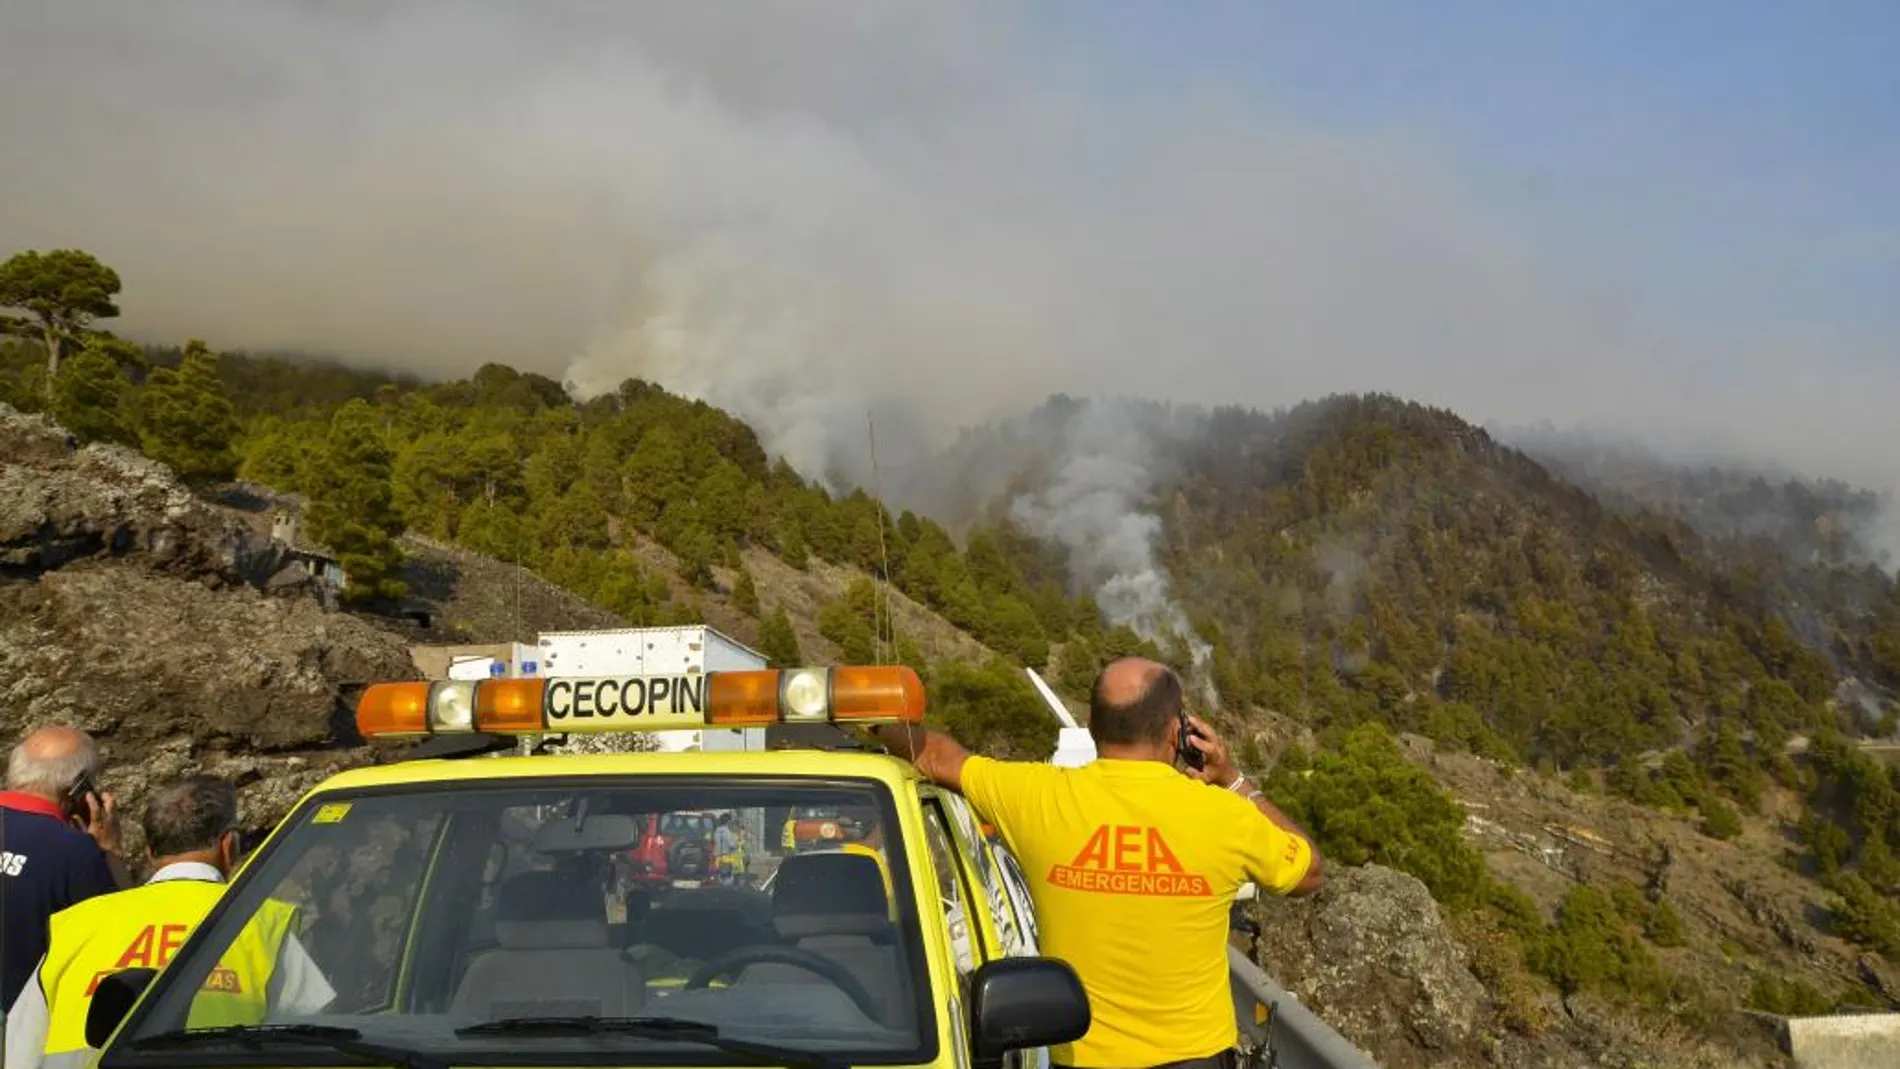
point(59, 843)
point(1134, 861)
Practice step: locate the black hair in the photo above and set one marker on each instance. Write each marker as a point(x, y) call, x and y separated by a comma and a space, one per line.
point(1151, 716)
point(189, 815)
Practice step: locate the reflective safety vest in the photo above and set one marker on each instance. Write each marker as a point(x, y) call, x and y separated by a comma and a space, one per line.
point(142, 927)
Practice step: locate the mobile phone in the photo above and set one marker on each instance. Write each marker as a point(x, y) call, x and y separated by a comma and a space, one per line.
point(76, 798)
point(1190, 756)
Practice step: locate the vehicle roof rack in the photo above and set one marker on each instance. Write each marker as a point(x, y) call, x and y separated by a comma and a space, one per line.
point(449, 747)
point(825, 736)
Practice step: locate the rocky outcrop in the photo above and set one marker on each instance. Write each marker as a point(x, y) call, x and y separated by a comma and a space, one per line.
point(1371, 954)
point(61, 503)
point(135, 610)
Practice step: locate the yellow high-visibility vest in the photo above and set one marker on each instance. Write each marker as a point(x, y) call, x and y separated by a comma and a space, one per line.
point(142, 927)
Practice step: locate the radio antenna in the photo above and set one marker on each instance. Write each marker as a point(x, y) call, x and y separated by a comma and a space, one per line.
point(1055, 703)
point(881, 615)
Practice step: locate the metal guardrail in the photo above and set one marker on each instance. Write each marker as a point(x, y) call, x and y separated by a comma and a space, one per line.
point(1293, 1037)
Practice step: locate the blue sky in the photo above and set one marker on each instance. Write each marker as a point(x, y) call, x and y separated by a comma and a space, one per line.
point(1734, 163)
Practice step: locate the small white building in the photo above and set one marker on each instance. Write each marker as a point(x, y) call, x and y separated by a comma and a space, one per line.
point(494, 660)
point(313, 560)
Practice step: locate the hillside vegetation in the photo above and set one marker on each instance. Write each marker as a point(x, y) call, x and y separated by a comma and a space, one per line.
point(504, 464)
point(1363, 568)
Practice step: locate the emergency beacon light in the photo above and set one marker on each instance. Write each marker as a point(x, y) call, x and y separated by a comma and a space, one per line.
point(845, 694)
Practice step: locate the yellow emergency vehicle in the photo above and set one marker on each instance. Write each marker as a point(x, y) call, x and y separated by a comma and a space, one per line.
point(465, 904)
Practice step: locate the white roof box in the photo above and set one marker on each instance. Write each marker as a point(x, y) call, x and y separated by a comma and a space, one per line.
point(1075, 747)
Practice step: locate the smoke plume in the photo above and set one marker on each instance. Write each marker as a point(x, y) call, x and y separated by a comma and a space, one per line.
point(1096, 504)
point(807, 212)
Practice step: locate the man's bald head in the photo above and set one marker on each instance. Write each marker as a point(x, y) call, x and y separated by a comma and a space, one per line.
point(1135, 701)
point(50, 760)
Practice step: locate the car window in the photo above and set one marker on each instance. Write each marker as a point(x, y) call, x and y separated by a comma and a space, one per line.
point(350, 897)
point(433, 907)
point(951, 891)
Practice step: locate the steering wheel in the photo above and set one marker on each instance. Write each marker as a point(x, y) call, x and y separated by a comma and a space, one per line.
point(839, 976)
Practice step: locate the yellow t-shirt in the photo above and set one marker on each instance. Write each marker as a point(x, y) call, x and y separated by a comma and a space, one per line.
point(1133, 868)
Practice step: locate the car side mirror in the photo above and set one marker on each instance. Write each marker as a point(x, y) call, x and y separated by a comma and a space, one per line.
point(112, 1000)
point(1019, 1003)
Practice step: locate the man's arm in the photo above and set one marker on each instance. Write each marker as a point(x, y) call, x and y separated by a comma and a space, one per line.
point(1219, 771)
point(938, 756)
point(1315, 868)
point(26, 1024)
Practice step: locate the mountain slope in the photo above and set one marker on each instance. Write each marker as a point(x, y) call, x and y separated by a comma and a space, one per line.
point(1365, 561)
point(171, 626)
point(1353, 565)
point(1356, 560)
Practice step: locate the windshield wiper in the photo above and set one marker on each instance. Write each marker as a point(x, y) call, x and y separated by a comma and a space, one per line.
point(652, 1028)
point(347, 1040)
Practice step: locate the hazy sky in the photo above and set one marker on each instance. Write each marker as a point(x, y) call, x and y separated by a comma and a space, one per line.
point(1676, 219)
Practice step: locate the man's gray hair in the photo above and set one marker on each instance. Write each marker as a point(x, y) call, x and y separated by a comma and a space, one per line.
point(189, 816)
point(31, 773)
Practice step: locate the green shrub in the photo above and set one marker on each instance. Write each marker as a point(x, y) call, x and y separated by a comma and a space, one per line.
point(1364, 802)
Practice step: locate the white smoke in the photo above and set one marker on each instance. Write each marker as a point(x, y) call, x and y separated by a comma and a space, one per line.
point(1093, 505)
point(801, 211)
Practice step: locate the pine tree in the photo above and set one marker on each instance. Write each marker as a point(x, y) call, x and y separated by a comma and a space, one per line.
point(89, 398)
point(793, 549)
point(1719, 820)
point(65, 289)
point(189, 423)
point(1665, 926)
point(352, 510)
point(848, 622)
point(1878, 866)
point(744, 594)
point(655, 475)
point(778, 641)
point(275, 454)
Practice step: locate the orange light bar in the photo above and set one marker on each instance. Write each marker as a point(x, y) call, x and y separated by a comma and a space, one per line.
point(739, 699)
point(509, 706)
point(393, 709)
point(672, 702)
point(881, 692)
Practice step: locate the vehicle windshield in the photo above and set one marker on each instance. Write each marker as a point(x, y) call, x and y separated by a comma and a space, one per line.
point(408, 914)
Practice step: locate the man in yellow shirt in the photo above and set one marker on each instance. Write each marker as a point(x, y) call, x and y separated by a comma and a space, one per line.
point(1133, 865)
